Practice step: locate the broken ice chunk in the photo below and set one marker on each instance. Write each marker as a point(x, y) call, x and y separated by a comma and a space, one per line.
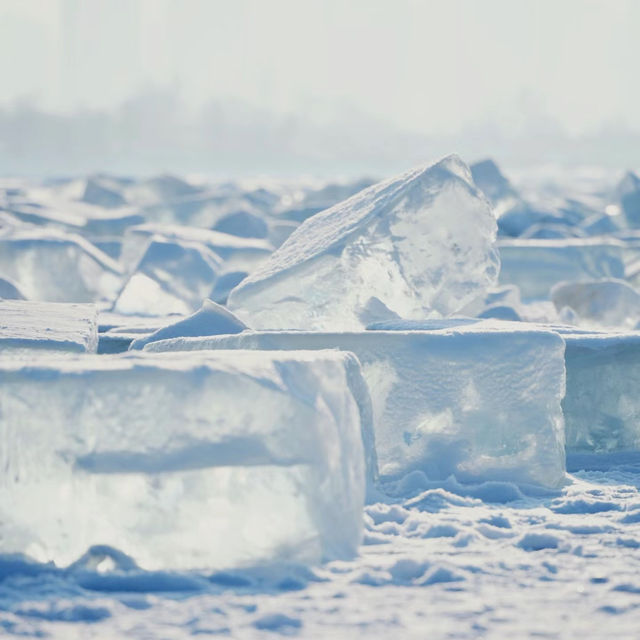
point(417, 245)
point(58, 267)
point(171, 277)
point(599, 303)
point(537, 265)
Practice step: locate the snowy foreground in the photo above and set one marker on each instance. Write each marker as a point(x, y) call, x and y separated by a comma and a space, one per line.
point(401, 409)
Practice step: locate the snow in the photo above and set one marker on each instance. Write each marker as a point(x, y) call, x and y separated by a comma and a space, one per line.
point(477, 401)
point(420, 244)
point(28, 328)
point(146, 455)
point(211, 319)
point(171, 277)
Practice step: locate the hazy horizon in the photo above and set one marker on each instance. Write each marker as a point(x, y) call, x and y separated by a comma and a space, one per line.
point(286, 86)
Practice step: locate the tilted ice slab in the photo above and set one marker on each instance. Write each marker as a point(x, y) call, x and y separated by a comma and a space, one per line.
point(182, 461)
point(46, 326)
point(240, 254)
point(58, 267)
point(171, 277)
point(602, 404)
point(480, 400)
point(535, 266)
point(417, 245)
point(210, 320)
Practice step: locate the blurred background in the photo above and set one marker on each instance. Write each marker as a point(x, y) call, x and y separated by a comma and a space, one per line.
point(292, 88)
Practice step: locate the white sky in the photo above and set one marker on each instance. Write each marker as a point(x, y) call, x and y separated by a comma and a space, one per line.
point(423, 65)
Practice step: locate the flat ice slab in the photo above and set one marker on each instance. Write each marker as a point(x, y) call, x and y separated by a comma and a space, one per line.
point(47, 326)
point(414, 246)
point(480, 401)
point(201, 460)
point(602, 404)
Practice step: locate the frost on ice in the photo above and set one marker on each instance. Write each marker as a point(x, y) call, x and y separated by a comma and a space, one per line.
point(151, 455)
point(480, 401)
point(418, 245)
point(29, 328)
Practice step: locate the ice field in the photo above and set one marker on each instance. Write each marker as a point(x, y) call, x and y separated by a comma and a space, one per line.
point(403, 408)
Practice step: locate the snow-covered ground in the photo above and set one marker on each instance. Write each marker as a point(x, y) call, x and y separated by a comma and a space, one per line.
point(452, 562)
point(399, 410)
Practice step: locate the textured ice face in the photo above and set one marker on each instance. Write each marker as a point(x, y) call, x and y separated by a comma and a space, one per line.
point(418, 245)
point(601, 406)
point(479, 401)
point(187, 461)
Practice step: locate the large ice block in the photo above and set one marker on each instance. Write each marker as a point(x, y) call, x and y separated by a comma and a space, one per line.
point(535, 266)
point(602, 404)
point(418, 245)
point(58, 267)
point(46, 326)
point(479, 400)
point(199, 460)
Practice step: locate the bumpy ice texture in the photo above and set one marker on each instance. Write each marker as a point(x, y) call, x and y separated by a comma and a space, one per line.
point(183, 461)
point(480, 401)
point(418, 245)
